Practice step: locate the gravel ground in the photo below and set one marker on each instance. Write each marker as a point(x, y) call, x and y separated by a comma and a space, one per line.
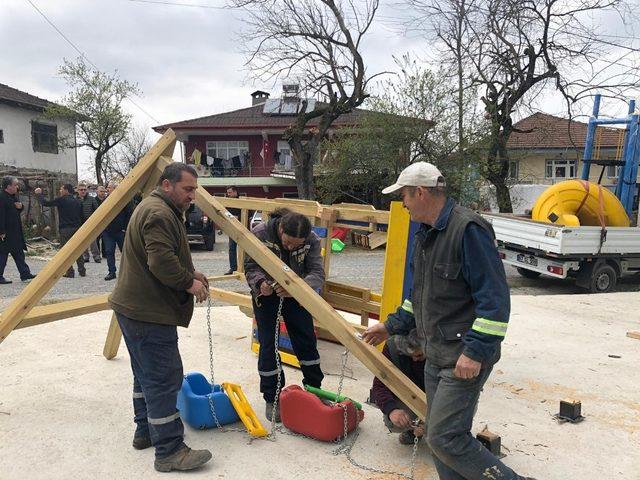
point(353, 266)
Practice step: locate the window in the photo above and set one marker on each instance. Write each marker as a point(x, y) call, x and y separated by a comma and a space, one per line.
point(284, 159)
point(227, 150)
point(44, 137)
point(560, 169)
point(613, 171)
point(514, 170)
point(1, 136)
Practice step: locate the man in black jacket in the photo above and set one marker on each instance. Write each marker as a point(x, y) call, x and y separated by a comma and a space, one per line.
point(114, 234)
point(69, 220)
point(89, 205)
point(232, 192)
point(11, 236)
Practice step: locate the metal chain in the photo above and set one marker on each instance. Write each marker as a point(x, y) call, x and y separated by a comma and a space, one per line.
point(345, 447)
point(272, 434)
point(211, 377)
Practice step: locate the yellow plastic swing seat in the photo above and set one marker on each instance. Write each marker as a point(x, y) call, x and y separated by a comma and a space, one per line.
point(244, 410)
point(577, 202)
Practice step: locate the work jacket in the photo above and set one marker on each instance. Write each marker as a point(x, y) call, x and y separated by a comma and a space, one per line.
point(156, 268)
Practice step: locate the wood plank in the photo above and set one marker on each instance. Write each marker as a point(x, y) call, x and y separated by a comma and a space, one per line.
point(53, 270)
point(58, 311)
point(377, 239)
point(635, 335)
point(351, 304)
point(344, 332)
point(114, 336)
point(233, 298)
point(244, 219)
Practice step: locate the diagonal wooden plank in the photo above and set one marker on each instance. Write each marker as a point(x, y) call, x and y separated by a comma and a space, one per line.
point(53, 270)
point(328, 318)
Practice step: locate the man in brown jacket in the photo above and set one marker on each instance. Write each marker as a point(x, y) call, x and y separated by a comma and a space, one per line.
point(153, 296)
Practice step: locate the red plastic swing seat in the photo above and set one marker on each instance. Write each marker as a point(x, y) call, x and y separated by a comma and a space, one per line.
point(303, 412)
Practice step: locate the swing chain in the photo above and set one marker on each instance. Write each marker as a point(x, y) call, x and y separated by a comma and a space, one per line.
point(210, 397)
point(276, 399)
point(346, 447)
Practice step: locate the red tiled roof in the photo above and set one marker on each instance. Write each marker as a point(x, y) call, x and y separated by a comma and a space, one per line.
point(253, 118)
point(19, 98)
point(549, 131)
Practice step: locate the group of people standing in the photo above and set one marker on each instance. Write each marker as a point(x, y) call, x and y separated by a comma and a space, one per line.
point(75, 206)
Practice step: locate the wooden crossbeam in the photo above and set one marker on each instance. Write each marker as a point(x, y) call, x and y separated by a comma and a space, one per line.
point(53, 270)
point(58, 311)
point(327, 317)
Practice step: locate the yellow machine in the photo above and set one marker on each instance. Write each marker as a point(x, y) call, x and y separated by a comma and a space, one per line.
point(578, 202)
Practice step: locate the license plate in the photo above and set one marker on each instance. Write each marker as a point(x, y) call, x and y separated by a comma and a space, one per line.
point(527, 259)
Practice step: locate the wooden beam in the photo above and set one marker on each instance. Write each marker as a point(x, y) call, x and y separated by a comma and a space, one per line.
point(58, 311)
point(244, 219)
point(114, 336)
point(342, 330)
point(240, 299)
point(87, 233)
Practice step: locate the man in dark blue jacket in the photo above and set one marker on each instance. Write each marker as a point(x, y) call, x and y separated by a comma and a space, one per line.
point(461, 307)
point(114, 234)
point(69, 220)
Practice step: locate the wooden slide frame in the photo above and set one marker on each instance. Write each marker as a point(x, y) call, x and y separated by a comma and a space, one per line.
point(145, 177)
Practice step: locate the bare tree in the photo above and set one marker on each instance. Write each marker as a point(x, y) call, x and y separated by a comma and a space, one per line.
point(318, 43)
point(118, 162)
point(515, 49)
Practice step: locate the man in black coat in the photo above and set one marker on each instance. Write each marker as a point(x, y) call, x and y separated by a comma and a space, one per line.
point(11, 236)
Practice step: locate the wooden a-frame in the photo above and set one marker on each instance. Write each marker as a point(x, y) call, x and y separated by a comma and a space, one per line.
point(145, 177)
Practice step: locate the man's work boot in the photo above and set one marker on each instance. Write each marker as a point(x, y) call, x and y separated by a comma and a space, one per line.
point(83, 272)
point(4, 281)
point(183, 459)
point(110, 276)
point(228, 272)
point(140, 443)
point(269, 410)
point(29, 276)
point(97, 259)
point(69, 274)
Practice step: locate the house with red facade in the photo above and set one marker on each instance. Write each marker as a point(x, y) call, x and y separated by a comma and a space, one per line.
point(246, 148)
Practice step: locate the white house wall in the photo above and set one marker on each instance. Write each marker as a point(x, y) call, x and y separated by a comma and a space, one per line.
point(17, 149)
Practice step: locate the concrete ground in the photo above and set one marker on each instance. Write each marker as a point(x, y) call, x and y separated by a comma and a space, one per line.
point(65, 411)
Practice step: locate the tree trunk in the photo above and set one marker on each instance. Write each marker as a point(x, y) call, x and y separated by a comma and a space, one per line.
point(98, 165)
point(304, 174)
point(498, 168)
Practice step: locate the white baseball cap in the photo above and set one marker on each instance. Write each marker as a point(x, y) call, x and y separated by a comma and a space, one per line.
point(419, 174)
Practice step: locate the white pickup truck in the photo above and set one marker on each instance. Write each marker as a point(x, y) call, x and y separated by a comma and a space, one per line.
point(595, 257)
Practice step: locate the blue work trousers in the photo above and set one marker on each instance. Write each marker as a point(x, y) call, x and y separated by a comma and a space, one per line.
point(451, 406)
point(157, 378)
point(303, 340)
point(111, 239)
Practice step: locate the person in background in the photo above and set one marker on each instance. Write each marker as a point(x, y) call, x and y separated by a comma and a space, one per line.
point(114, 234)
point(89, 205)
point(232, 192)
point(69, 220)
point(11, 234)
point(101, 196)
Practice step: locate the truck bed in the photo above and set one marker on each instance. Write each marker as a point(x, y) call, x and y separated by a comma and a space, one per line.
point(561, 240)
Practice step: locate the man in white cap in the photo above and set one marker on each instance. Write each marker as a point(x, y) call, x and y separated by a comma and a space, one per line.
point(461, 308)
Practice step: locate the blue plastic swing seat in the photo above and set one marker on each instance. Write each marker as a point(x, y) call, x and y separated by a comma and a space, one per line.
point(193, 403)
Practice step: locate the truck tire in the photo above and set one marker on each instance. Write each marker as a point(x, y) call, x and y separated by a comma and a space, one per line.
point(528, 273)
point(209, 242)
point(603, 279)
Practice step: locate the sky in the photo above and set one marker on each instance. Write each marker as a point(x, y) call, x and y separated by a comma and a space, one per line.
point(187, 61)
